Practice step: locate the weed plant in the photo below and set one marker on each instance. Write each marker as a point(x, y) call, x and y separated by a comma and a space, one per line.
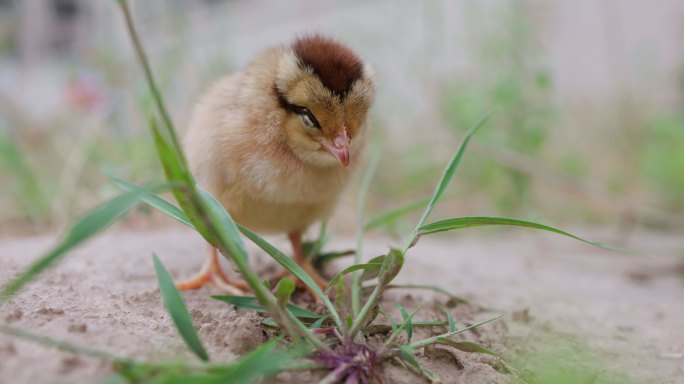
point(334, 340)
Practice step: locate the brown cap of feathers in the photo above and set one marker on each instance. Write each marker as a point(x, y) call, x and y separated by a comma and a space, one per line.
point(335, 65)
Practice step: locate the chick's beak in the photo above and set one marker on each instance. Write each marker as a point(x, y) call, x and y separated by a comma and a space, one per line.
point(339, 147)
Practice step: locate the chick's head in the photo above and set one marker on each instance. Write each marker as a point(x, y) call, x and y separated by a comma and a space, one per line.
point(325, 91)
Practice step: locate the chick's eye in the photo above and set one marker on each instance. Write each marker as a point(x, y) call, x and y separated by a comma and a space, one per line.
point(308, 119)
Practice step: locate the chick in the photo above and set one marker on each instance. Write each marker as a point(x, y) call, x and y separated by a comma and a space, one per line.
point(276, 143)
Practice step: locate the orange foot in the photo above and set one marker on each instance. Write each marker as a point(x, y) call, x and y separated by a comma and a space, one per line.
point(211, 273)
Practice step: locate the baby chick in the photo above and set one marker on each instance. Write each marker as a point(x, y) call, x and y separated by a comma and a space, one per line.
point(276, 143)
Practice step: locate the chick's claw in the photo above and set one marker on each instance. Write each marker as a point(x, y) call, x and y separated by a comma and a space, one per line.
point(211, 273)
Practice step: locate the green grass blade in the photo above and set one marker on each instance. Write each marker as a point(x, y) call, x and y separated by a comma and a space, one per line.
point(59, 344)
point(357, 267)
point(92, 223)
point(372, 273)
point(450, 320)
point(171, 158)
point(262, 362)
point(284, 290)
point(269, 322)
point(445, 336)
point(295, 269)
point(151, 83)
point(393, 324)
point(185, 193)
point(330, 256)
point(390, 268)
point(178, 311)
point(319, 323)
point(227, 225)
point(447, 175)
point(250, 302)
point(154, 201)
point(468, 222)
point(406, 354)
point(467, 346)
point(429, 323)
point(408, 324)
point(392, 216)
point(107, 213)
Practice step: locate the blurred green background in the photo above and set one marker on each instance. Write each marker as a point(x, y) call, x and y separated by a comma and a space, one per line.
point(589, 125)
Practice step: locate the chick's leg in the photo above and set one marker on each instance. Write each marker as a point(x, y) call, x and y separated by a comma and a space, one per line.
point(302, 261)
point(211, 273)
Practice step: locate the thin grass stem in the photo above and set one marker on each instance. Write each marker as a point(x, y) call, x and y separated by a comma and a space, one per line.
point(364, 313)
point(142, 57)
point(363, 191)
point(434, 339)
point(444, 180)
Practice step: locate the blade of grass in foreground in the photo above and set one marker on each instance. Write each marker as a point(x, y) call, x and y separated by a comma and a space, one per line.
point(448, 174)
point(227, 225)
point(154, 201)
point(479, 221)
point(89, 225)
point(264, 361)
point(59, 344)
point(179, 312)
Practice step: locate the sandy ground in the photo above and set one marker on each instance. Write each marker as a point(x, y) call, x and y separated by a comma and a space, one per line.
point(617, 317)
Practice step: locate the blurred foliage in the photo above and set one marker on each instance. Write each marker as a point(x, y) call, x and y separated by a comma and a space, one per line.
point(511, 76)
point(27, 190)
point(53, 164)
point(662, 158)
